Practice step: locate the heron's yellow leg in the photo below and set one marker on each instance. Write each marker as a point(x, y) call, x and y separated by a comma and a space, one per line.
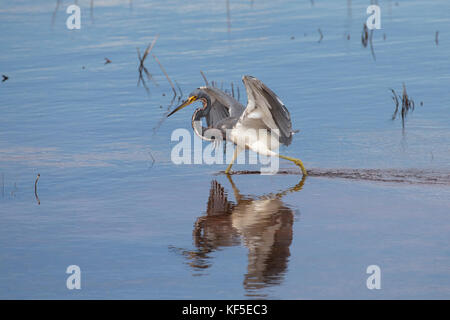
point(298, 162)
point(235, 154)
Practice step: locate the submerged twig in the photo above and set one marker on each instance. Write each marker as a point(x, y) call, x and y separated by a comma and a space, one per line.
point(3, 185)
point(35, 189)
point(436, 39)
point(365, 36)
point(321, 35)
point(371, 45)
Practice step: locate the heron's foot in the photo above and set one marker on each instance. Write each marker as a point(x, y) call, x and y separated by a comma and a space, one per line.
point(227, 171)
point(299, 163)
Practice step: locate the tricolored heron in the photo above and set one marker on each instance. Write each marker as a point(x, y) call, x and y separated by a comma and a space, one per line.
point(264, 111)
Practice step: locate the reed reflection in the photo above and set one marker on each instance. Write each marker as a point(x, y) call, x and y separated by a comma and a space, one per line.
point(263, 224)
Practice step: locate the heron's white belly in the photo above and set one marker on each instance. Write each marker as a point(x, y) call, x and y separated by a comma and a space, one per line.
point(262, 143)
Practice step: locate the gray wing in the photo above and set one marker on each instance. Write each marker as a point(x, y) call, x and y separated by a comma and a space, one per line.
point(265, 107)
point(222, 106)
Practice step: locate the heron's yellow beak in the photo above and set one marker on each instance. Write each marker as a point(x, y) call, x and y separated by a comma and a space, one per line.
point(184, 104)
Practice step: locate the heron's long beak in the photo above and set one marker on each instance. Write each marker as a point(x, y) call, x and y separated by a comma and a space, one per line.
point(184, 104)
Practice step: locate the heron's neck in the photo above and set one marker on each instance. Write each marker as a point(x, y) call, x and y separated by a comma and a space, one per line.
point(206, 105)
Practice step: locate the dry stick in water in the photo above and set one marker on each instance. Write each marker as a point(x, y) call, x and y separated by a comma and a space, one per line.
point(397, 103)
point(142, 68)
point(204, 78)
point(232, 90)
point(407, 104)
point(35, 189)
point(436, 39)
point(167, 76)
point(141, 65)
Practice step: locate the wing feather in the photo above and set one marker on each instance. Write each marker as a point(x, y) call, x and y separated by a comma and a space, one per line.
point(265, 106)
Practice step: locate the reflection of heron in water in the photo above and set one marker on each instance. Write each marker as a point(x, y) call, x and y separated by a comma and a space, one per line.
point(263, 224)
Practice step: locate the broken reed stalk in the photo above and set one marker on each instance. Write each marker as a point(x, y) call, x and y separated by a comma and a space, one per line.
point(153, 159)
point(58, 3)
point(408, 104)
point(142, 68)
point(150, 47)
point(232, 90)
point(397, 103)
point(371, 45)
point(167, 76)
point(204, 78)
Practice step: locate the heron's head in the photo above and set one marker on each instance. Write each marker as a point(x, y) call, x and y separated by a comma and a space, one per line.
point(195, 95)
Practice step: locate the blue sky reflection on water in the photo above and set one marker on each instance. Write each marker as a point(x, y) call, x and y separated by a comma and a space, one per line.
point(139, 226)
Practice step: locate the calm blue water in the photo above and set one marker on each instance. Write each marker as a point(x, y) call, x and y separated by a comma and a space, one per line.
point(113, 203)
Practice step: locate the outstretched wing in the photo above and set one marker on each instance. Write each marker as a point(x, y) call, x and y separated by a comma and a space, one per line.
point(222, 106)
point(265, 107)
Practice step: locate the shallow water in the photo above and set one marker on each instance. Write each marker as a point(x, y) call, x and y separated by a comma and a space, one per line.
point(113, 203)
